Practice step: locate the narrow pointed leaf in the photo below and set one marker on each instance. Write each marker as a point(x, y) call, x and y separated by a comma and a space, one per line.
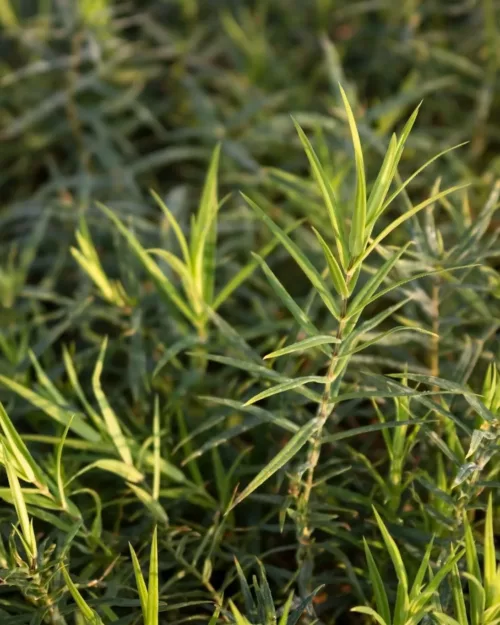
point(396, 285)
point(155, 508)
point(383, 335)
point(327, 193)
point(19, 504)
point(246, 271)
point(333, 267)
point(298, 314)
point(476, 592)
point(379, 592)
point(300, 258)
point(181, 239)
point(293, 446)
point(490, 566)
point(383, 181)
point(163, 284)
point(91, 617)
point(140, 583)
point(286, 609)
point(402, 218)
point(245, 589)
point(58, 413)
point(358, 225)
point(417, 172)
point(393, 550)
point(458, 597)
point(109, 416)
point(301, 346)
point(297, 612)
point(362, 298)
point(285, 386)
point(19, 450)
point(422, 570)
point(204, 233)
point(153, 583)
point(370, 612)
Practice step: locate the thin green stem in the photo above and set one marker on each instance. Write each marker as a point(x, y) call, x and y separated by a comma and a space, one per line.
point(305, 558)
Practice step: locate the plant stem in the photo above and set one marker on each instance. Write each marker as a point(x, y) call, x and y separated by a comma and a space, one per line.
point(434, 359)
point(305, 559)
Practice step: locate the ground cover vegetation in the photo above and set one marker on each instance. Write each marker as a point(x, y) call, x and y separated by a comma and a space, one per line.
point(249, 304)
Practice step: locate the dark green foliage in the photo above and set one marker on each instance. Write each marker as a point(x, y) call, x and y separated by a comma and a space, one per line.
point(249, 312)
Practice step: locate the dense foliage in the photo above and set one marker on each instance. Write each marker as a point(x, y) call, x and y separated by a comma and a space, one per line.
point(249, 305)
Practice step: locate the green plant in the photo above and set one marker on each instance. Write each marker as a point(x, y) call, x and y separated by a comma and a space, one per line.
point(250, 375)
point(483, 604)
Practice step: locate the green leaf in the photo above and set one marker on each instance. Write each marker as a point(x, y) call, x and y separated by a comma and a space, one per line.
point(476, 592)
point(245, 589)
point(490, 566)
point(377, 208)
point(20, 506)
point(163, 284)
point(298, 314)
point(382, 336)
point(458, 597)
point(370, 612)
point(110, 418)
point(32, 498)
point(153, 583)
point(155, 508)
point(293, 446)
point(247, 270)
point(333, 267)
point(358, 226)
point(91, 617)
point(214, 619)
point(175, 264)
point(286, 609)
point(260, 371)
point(176, 348)
point(301, 346)
point(19, 451)
point(365, 429)
point(59, 414)
point(44, 380)
point(393, 551)
point(327, 193)
point(417, 172)
point(470, 397)
point(59, 469)
point(383, 181)
point(445, 619)
point(422, 570)
point(402, 218)
point(239, 619)
point(75, 383)
point(285, 386)
point(362, 298)
point(140, 583)
point(303, 605)
point(123, 470)
point(204, 233)
point(426, 595)
point(396, 285)
point(378, 586)
point(269, 608)
point(156, 450)
point(300, 258)
point(265, 415)
point(181, 239)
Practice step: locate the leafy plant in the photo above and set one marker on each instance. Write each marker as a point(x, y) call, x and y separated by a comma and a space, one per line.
point(254, 373)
